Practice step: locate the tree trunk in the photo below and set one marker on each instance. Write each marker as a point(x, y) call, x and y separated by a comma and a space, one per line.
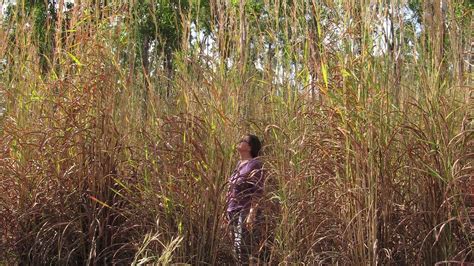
point(314, 53)
point(243, 37)
point(146, 72)
point(168, 66)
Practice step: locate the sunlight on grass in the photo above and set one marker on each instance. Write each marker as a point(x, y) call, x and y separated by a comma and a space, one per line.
point(118, 124)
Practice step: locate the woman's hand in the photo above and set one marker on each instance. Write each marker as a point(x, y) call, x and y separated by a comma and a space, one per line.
point(249, 222)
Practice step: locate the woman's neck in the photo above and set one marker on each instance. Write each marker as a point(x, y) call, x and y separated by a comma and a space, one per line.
point(245, 157)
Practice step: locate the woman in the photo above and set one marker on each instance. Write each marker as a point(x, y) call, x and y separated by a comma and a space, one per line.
point(245, 190)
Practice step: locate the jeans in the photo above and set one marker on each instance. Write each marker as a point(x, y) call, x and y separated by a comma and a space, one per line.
point(246, 241)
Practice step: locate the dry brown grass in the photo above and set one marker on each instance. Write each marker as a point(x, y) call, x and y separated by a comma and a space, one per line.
point(107, 159)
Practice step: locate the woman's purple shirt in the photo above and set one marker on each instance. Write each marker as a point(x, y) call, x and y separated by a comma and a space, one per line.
point(245, 185)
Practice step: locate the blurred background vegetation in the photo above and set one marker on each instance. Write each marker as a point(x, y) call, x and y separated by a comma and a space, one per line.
point(118, 121)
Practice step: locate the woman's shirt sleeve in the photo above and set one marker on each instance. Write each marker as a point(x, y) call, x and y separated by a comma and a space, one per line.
point(251, 183)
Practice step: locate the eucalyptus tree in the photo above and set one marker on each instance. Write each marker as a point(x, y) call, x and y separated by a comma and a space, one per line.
point(40, 17)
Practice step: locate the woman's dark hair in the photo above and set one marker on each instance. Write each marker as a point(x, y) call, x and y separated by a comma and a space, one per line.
point(255, 145)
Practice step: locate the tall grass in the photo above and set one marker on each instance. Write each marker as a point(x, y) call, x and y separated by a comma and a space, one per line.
point(118, 152)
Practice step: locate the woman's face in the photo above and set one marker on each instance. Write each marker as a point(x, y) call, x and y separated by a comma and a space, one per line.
point(243, 145)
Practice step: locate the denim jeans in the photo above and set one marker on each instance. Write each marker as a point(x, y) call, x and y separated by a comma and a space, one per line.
point(245, 240)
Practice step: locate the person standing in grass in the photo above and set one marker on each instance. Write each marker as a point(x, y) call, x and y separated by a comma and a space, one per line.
point(245, 191)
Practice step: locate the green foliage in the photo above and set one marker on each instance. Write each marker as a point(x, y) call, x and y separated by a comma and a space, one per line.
point(159, 20)
point(43, 31)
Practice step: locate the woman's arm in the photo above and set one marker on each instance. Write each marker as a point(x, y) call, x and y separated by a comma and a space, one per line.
point(256, 179)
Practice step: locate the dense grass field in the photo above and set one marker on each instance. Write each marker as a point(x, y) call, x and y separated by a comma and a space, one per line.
point(118, 124)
